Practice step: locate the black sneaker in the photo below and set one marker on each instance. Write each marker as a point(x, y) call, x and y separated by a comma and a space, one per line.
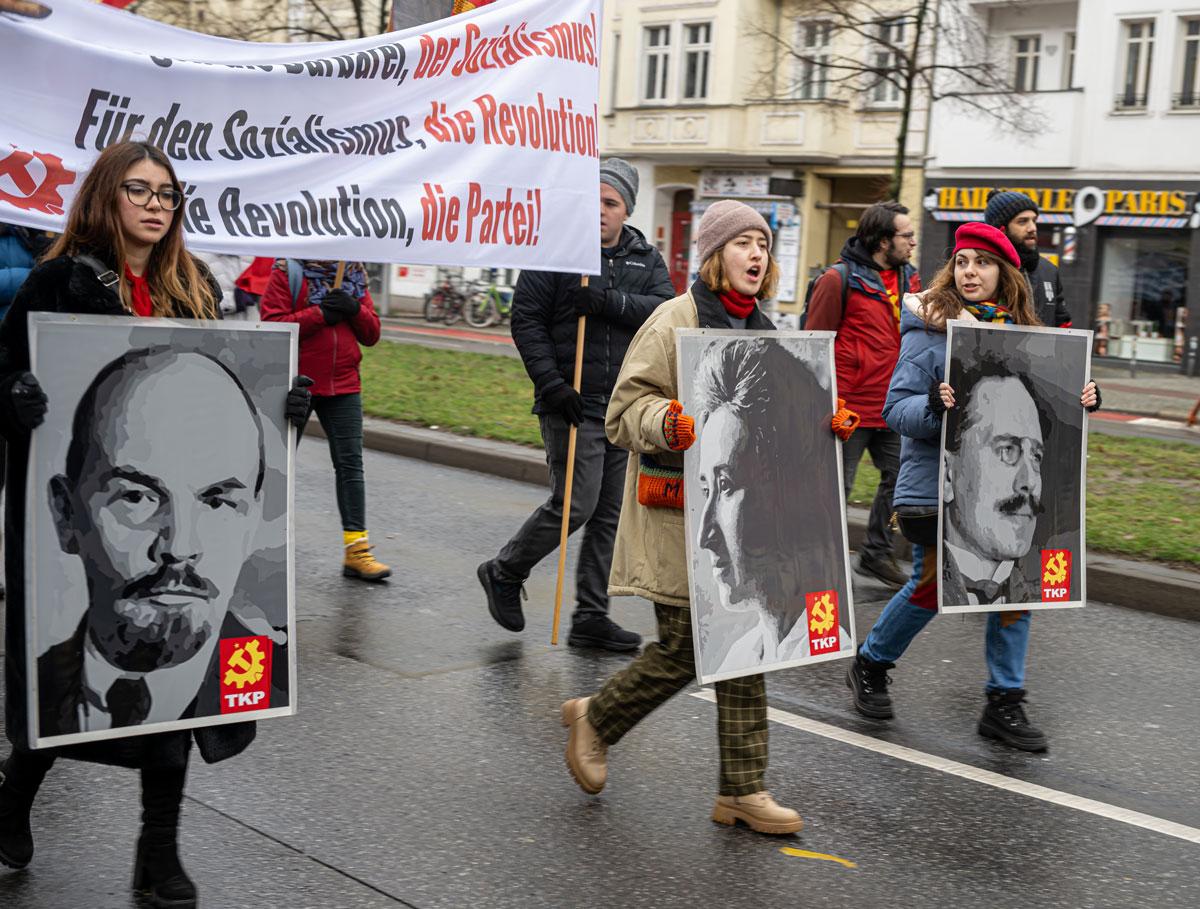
point(601, 631)
point(869, 681)
point(503, 597)
point(16, 839)
point(883, 569)
point(1004, 719)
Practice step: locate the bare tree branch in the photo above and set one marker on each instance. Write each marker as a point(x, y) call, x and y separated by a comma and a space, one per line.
point(885, 50)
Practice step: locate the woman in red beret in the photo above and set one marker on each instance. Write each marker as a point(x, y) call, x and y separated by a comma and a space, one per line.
point(982, 281)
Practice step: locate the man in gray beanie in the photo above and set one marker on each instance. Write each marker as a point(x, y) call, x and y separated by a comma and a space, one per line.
point(545, 317)
point(1016, 214)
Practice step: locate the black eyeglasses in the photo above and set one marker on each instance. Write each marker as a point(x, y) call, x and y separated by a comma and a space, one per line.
point(140, 194)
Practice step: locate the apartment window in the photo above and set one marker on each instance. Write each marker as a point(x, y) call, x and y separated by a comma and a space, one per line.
point(814, 43)
point(1069, 61)
point(885, 61)
point(616, 69)
point(1189, 82)
point(1027, 52)
point(697, 51)
point(1138, 52)
point(657, 62)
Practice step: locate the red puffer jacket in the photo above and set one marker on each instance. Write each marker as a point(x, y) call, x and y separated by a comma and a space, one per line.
point(329, 354)
point(868, 336)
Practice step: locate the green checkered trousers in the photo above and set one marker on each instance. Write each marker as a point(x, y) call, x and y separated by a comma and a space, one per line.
point(665, 668)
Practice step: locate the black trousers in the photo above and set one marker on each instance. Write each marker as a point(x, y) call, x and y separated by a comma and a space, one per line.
point(596, 495)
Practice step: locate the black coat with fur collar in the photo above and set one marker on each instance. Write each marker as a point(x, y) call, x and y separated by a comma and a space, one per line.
point(66, 285)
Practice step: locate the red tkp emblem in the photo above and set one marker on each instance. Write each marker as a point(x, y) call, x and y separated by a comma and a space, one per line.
point(824, 633)
point(37, 177)
point(245, 669)
point(1056, 575)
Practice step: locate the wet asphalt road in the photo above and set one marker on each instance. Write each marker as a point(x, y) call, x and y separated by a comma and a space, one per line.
point(425, 766)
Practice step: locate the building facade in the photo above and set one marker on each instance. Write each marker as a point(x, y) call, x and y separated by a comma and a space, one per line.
point(1114, 164)
point(714, 99)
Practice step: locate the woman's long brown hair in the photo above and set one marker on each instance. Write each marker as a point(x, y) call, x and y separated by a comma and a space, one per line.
point(94, 225)
point(942, 300)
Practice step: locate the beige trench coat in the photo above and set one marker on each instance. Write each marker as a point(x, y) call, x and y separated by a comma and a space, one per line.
point(650, 558)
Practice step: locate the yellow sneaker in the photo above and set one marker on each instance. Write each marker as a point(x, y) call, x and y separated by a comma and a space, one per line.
point(361, 564)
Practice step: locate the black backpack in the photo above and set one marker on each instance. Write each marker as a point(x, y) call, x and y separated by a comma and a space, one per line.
point(844, 272)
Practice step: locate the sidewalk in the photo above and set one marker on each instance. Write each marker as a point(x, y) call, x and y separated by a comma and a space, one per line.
point(1145, 586)
point(1167, 396)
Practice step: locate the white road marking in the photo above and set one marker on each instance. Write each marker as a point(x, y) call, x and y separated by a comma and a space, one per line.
point(967, 772)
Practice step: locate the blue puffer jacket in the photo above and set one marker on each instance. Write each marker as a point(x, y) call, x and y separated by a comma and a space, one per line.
point(16, 261)
point(906, 410)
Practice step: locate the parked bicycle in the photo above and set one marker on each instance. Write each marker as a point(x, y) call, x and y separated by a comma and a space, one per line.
point(487, 305)
point(445, 302)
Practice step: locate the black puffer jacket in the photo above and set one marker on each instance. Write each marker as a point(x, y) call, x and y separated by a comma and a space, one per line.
point(1048, 301)
point(66, 285)
point(544, 323)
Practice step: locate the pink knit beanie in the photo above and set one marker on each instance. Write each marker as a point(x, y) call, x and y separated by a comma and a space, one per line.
point(723, 221)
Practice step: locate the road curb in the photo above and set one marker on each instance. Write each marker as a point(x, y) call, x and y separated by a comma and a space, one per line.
point(1144, 586)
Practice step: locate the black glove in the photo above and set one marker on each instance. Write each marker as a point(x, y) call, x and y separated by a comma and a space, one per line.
point(1095, 406)
point(937, 406)
point(338, 305)
point(567, 402)
point(588, 301)
point(299, 402)
point(28, 401)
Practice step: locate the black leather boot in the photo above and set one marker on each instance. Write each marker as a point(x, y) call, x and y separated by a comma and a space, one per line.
point(869, 682)
point(20, 777)
point(1004, 719)
point(158, 875)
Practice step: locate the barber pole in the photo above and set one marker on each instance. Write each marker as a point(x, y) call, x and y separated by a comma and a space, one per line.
point(1070, 243)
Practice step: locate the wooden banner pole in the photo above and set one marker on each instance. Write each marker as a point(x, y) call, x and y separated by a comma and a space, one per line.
point(566, 516)
point(341, 273)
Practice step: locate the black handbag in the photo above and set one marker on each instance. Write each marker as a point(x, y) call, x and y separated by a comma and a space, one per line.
point(918, 524)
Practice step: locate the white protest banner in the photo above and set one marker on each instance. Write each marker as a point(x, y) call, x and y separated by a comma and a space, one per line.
point(468, 141)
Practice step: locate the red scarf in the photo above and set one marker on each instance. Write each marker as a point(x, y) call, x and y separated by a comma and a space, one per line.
point(139, 292)
point(738, 305)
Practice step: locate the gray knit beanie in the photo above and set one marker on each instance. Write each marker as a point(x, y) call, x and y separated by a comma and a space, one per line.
point(722, 222)
point(1002, 207)
point(623, 177)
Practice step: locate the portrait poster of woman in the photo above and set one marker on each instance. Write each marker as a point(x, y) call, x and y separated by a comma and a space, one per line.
point(764, 504)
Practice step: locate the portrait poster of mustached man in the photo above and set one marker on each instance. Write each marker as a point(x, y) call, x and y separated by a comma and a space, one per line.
point(763, 501)
point(1014, 452)
point(159, 545)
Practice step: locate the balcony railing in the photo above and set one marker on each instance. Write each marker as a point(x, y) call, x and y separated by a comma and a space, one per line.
point(1186, 101)
point(1130, 101)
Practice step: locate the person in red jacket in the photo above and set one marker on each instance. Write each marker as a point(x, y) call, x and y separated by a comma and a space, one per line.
point(860, 299)
point(333, 325)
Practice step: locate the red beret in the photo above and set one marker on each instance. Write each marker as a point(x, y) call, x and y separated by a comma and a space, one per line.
point(977, 235)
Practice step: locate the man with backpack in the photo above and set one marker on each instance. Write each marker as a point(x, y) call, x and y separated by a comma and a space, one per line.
point(335, 322)
point(860, 297)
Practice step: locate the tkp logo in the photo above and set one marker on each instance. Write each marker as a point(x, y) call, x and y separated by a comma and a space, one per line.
point(32, 181)
point(822, 612)
point(1056, 575)
point(245, 674)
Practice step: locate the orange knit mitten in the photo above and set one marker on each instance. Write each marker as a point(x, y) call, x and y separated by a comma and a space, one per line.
point(844, 422)
point(679, 428)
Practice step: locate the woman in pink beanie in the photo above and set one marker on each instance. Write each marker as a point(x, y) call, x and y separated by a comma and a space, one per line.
point(645, 417)
point(982, 281)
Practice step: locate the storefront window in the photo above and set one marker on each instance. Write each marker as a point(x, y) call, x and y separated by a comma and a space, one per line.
point(1142, 288)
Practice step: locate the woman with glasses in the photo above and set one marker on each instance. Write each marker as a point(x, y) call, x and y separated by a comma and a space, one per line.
point(121, 254)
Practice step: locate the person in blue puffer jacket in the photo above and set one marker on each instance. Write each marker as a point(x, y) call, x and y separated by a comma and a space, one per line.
point(981, 281)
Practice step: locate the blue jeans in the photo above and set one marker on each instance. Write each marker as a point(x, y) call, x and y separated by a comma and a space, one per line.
point(901, 619)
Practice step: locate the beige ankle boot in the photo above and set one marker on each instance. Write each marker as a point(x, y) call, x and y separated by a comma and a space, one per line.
point(759, 812)
point(587, 755)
